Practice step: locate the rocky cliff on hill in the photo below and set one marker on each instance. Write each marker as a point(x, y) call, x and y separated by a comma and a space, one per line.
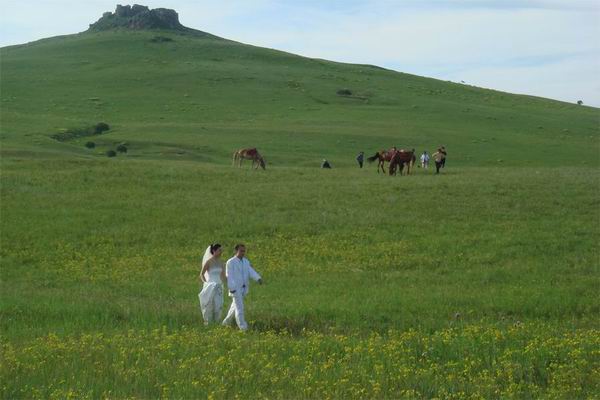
point(139, 17)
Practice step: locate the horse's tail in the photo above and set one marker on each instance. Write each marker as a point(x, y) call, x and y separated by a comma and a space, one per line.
point(373, 158)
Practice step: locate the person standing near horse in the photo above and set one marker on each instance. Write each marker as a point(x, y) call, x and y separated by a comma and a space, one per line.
point(443, 150)
point(360, 158)
point(212, 274)
point(239, 271)
point(438, 157)
point(425, 160)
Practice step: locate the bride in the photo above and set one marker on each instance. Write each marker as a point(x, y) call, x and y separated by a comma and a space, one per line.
point(213, 275)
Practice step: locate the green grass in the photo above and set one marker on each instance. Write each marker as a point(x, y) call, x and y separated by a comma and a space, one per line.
point(482, 281)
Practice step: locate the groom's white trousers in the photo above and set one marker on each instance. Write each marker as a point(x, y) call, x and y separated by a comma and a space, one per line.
point(236, 310)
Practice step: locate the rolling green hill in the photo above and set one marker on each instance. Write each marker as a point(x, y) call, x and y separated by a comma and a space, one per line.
point(205, 96)
point(477, 283)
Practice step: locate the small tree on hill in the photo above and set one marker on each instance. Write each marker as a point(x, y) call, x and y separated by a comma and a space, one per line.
point(90, 145)
point(122, 148)
point(111, 153)
point(580, 102)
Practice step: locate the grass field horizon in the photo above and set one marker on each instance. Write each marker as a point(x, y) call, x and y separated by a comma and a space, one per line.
point(481, 282)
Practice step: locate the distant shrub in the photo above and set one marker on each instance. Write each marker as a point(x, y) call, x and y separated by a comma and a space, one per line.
point(90, 145)
point(580, 102)
point(344, 92)
point(74, 133)
point(111, 153)
point(161, 39)
point(71, 133)
point(122, 148)
point(100, 128)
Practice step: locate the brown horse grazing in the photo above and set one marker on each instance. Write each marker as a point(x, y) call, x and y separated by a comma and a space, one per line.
point(381, 157)
point(400, 159)
point(249, 154)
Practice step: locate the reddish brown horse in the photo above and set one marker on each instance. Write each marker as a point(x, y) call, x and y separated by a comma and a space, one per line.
point(381, 157)
point(401, 158)
point(249, 154)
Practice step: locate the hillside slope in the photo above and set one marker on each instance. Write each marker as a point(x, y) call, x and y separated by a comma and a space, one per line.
point(171, 94)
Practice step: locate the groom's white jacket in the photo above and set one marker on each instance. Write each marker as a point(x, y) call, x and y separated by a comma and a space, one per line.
point(238, 274)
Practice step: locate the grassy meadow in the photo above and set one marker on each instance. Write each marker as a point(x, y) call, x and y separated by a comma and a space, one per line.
point(481, 282)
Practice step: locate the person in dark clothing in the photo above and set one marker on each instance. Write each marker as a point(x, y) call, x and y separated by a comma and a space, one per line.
point(360, 158)
point(325, 164)
point(443, 151)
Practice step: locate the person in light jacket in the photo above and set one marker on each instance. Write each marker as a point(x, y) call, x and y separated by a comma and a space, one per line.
point(425, 160)
point(239, 271)
point(438, 157)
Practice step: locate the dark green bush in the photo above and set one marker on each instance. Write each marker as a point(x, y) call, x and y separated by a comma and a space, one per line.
point(74, 133)
point(161, 39)
point(90, 145)
point(101, 127)
point(122, 148)
point(111, 153)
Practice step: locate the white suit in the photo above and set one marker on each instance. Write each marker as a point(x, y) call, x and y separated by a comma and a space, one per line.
point(239, 272)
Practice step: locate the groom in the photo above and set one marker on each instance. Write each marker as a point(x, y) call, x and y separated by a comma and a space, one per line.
point(239, 271)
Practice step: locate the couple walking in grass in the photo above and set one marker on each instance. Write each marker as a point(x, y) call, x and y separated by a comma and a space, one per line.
point(237, 272)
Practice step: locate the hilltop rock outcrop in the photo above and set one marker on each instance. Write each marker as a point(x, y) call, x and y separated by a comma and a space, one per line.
point(138, 17)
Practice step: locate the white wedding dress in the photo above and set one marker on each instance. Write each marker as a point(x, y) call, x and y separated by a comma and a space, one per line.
point(211, 296)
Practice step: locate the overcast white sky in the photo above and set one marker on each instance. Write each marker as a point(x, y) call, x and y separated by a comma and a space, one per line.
point(548, 48)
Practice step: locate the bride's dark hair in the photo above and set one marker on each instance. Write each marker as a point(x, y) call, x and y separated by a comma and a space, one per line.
point(214, 247)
